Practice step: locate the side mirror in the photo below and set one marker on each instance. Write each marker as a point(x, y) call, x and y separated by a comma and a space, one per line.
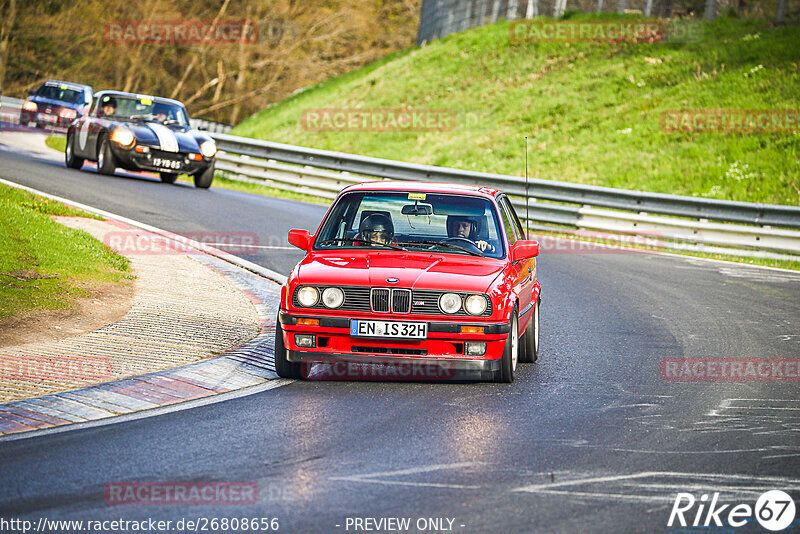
point(524, 249)
point(302, 239)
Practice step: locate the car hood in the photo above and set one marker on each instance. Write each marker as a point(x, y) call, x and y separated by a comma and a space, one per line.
point(415, 271)
point(167, 138)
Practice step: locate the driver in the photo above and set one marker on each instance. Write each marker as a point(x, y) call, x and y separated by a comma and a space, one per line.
point(108, 106)
point(376, 227)
point(466, 228)
point(160, 112)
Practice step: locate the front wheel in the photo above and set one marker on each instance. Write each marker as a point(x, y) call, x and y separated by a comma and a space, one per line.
point(69, 154)
point(530, 344)
point(204, 179)
point(105, 159)
point(283, 366)
point(508, 363)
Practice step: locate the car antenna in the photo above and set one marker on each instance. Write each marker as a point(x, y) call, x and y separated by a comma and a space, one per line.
point(527, 220)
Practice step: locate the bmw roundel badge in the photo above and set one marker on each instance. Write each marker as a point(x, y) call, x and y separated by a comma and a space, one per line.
point(392, 280)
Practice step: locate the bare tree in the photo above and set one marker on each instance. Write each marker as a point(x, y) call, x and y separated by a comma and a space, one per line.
point(9, 10)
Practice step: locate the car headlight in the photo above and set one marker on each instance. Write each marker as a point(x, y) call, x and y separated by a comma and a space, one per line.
point(332, 297)
point(123, 137)
point(450, 303)
point(208, 149)
point(475, 304)
point(30, 106)
point(307, 296)
point(67, 113)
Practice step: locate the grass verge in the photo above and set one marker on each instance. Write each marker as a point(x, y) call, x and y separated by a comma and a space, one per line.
point(56, 142)
point(44, 265)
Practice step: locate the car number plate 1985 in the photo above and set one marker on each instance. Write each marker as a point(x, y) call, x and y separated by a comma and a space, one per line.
point(388, 329)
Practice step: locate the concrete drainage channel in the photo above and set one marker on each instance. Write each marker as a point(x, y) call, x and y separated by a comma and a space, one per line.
point(244, 370)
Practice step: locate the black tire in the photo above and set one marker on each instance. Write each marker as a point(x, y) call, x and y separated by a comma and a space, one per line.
point(70, 159)
point(168, 177)
point(529, 346)
point(284, 367)
point(204, 179)
point(105, 159)
point(507, 363)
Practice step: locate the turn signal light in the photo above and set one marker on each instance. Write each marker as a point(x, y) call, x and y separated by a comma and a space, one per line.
point(472, 330)
point(142, 149)
point(195, 157)
point(306, 321)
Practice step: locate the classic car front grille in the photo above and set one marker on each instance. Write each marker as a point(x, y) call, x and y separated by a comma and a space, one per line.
point(401, 300)
point(416, 302)
point(380, 299)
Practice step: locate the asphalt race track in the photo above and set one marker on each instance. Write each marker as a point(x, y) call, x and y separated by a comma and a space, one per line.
point(590, 439)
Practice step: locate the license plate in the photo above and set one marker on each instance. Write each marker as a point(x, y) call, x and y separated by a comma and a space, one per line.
point(166, 163)
point(388, 329)
point(47, 118)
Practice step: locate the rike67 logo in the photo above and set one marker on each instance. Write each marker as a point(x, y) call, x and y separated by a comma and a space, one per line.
point(774, 510)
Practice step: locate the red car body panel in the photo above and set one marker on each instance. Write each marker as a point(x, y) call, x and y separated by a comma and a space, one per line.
point(509, 286)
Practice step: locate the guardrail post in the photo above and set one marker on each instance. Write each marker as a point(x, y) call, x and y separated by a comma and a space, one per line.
point(711, 10)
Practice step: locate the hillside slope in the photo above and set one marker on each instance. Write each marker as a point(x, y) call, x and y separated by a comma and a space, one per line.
point(592, 112)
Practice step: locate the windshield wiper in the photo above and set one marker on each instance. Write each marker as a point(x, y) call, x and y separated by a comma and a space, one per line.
point(440, 244)
point(368, 241)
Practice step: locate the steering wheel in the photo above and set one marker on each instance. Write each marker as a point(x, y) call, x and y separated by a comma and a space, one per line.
point(463, 242)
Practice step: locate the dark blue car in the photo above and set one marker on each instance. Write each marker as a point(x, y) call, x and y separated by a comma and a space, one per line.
point(141, 133)
point(55, 104)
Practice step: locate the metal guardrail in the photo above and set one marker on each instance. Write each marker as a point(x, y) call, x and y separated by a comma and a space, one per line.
point(747, 227)
point(211, 126)
point(9, 109)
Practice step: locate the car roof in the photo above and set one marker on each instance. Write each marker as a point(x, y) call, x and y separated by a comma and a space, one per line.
point(428, 187)
point(71, 85)
point(135, 95)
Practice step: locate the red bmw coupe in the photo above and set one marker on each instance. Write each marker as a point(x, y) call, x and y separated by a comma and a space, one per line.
point(438, 279)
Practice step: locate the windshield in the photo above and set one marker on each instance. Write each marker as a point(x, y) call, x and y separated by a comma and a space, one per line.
point(453, 224)
point(145, 109)
point(62, 93)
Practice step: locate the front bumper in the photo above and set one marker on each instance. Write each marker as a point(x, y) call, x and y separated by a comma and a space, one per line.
point(375, 367)
point(44, 121)
point(440, 356)
point(137, 161)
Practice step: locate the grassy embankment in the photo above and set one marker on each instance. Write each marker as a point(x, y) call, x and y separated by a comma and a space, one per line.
point(44, 265)
point(592, 112)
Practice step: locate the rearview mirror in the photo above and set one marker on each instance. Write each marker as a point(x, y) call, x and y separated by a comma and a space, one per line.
point(417, 209)
point(300, 238)
point(524, 249)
